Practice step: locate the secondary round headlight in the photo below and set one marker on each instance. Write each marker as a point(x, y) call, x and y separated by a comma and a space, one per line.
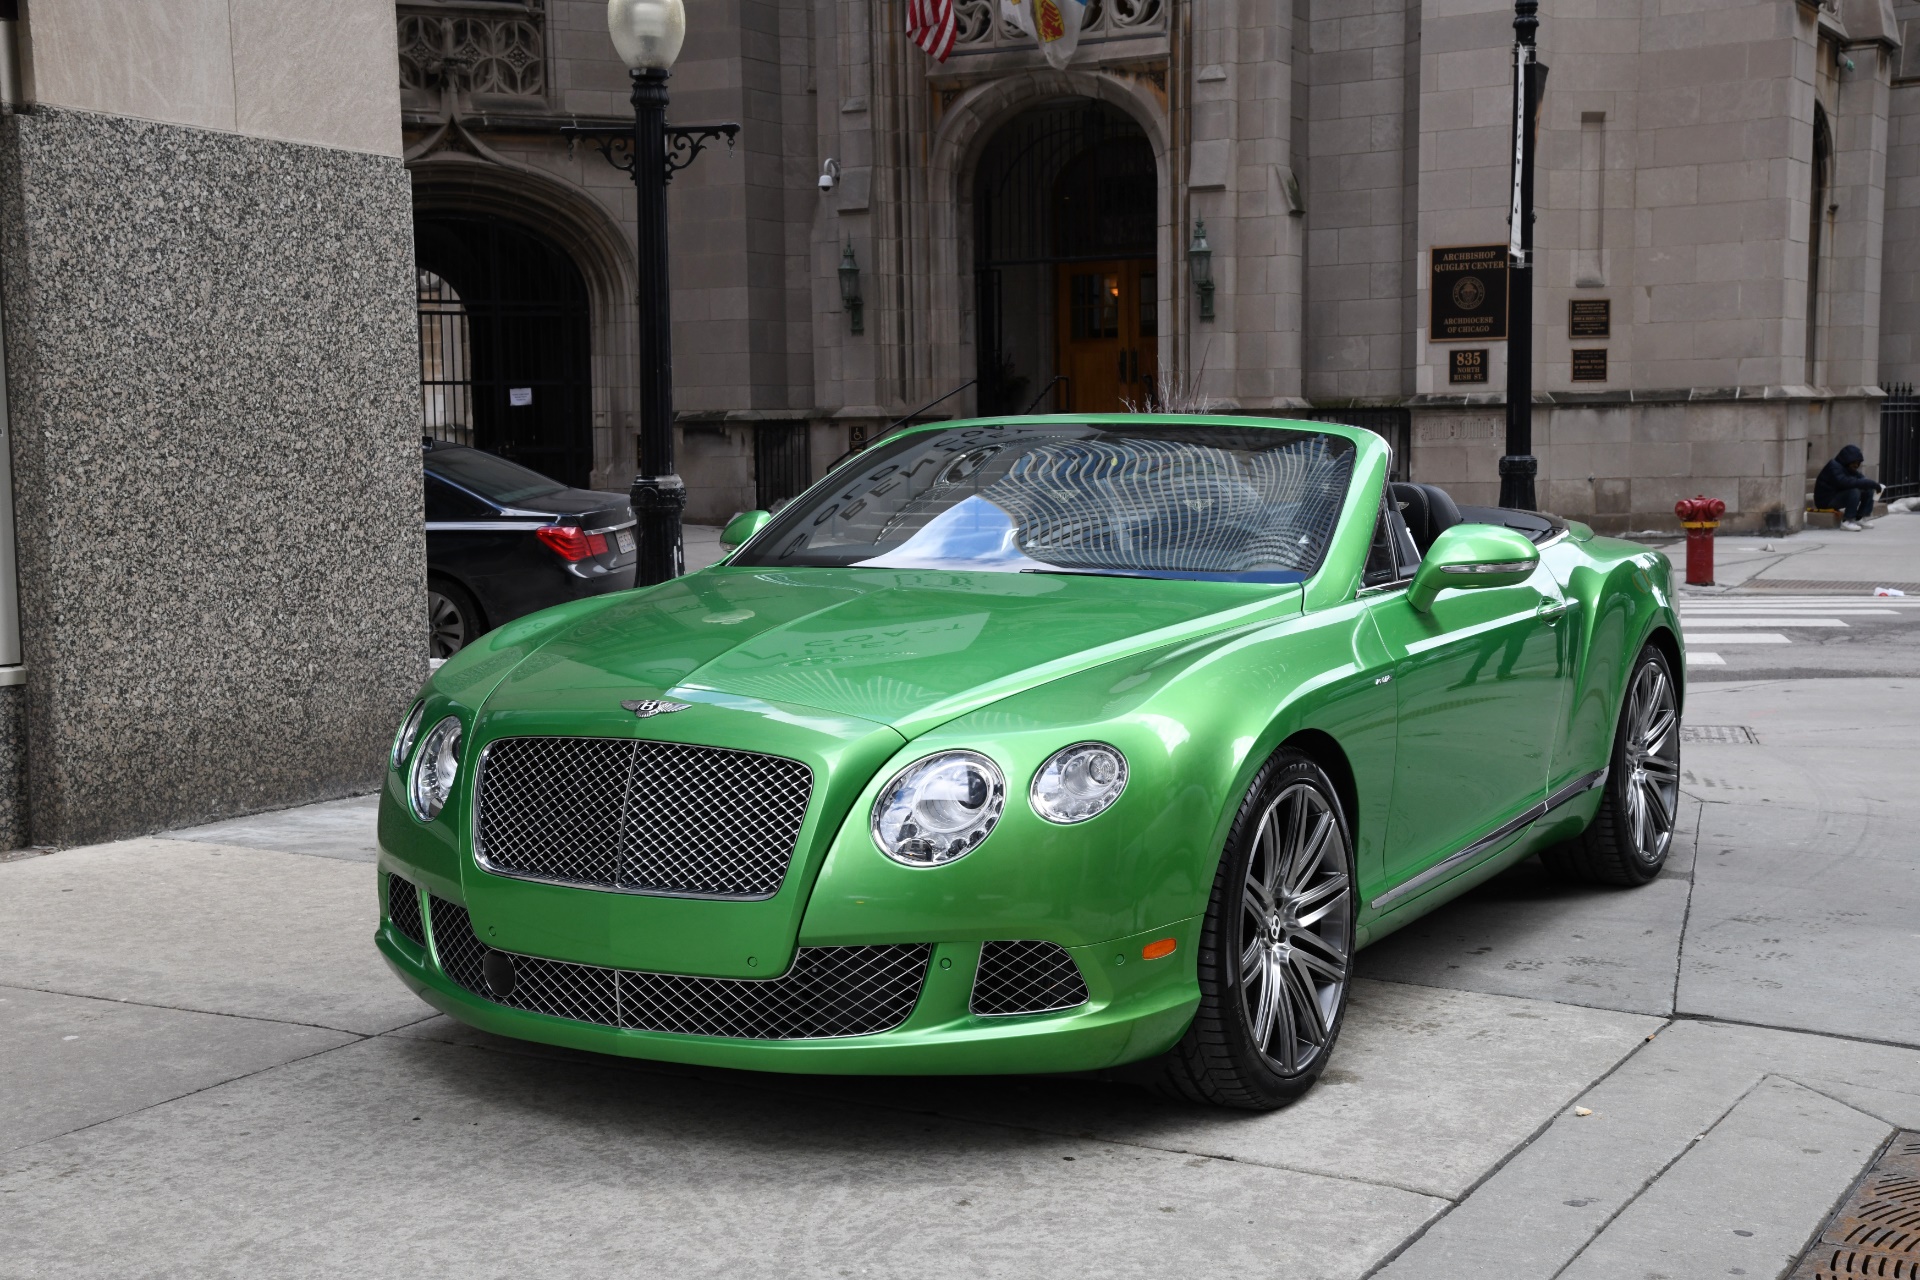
point(435, 768)
point(409, 730)
point(939, 809)
point(1078, 782)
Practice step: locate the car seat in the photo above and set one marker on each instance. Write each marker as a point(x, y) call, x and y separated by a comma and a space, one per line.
point(1428, 510)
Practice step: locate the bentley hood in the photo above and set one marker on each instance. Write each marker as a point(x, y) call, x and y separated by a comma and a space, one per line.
point(905, 648)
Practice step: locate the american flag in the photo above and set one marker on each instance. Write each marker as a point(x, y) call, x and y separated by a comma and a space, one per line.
point(930, 25)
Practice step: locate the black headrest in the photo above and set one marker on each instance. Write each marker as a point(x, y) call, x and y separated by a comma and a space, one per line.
point(1416, 511)
point(1441, 511)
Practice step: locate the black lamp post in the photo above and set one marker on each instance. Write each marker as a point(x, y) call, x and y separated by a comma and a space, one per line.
point(1519, 467)
point(647, 34)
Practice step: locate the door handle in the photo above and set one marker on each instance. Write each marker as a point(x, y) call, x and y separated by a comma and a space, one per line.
point(1553, 610)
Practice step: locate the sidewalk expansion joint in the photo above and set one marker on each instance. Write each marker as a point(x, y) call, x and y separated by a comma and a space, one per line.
point(1658, 1174)
point(357, 1040)
point(1386, 1260)
point(211, 1013)
point(1681, 1015)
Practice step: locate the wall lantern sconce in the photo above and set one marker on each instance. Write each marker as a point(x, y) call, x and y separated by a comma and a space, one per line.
point(850, 287)
point(1200, 259)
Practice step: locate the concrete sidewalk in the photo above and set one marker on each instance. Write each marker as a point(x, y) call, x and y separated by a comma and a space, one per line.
point(1817, 561)
point(206, 1070)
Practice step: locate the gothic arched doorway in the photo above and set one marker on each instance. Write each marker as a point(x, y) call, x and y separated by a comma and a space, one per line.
point(505, 355)
point(1067, 288)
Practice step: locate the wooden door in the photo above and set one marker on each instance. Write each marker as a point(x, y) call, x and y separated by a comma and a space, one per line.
point(1108, 334)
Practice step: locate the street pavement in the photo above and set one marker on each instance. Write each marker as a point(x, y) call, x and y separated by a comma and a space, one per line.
point(205, 1070)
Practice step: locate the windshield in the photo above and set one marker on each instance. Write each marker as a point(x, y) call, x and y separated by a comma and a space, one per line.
point(492, 477)
point(1156, 499)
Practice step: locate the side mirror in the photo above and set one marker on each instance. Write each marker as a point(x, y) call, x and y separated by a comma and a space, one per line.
point(742, 527)
point(1472, 555)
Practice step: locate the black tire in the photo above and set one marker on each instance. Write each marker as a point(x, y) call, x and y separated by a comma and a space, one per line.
point(1629, 838)
point(454, 621)
point(1305, 945)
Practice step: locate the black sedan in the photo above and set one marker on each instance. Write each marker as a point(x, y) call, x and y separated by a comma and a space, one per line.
point(503, 541)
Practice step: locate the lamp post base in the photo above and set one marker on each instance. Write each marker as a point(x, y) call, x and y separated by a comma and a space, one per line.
point(1517, 472)
point(658, 502)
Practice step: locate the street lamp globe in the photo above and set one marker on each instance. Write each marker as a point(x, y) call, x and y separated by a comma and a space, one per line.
point(647, 33)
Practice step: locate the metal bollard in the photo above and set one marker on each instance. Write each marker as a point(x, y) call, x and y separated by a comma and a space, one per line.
point(1700, 517)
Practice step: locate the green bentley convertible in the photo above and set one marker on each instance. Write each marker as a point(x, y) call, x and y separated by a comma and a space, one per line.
point(1051, 744)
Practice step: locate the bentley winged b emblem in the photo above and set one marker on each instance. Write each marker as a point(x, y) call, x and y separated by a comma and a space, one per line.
point(646, 707)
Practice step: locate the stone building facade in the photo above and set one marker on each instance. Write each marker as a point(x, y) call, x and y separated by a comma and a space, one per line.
point(1732, 181)
point(205, 267)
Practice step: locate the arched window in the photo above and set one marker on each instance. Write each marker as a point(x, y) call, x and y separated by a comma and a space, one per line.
point(505, 343)
point(446, 362)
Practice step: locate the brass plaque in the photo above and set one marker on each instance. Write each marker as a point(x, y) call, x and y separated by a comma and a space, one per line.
point(1469, 364)
point(1468, 294)
point(1590, 366)
point(1590, 317)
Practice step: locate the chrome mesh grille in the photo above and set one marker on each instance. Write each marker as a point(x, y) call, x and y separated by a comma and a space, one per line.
point(660, 817)
point(403, 910)
point(1026, 977)
point(829, 992)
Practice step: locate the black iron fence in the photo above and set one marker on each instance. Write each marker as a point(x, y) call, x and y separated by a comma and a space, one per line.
point(782, 462)
point(1900, 442)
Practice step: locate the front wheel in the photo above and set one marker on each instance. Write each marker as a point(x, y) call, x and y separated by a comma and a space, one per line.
point(1628, 841)
point(1276, 950)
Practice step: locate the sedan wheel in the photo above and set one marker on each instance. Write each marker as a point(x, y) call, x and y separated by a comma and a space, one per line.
point(1276, 954)
point(1631, 835)
point(453, 621)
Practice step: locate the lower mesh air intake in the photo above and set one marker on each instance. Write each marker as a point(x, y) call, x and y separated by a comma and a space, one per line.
point(828, 992)
point(403, 909)
point(1026, 977)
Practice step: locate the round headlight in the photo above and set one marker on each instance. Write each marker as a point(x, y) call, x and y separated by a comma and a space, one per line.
point(1078, 782)
point(938, 809)
point(435, 768)
point(409, 730)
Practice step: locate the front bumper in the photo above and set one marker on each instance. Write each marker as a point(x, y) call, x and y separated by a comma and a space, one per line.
point(1135, 1008)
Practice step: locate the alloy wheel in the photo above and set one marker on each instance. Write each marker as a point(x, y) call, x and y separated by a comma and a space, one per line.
point(1653, 762)
point(446, 626)
point(1296, 929)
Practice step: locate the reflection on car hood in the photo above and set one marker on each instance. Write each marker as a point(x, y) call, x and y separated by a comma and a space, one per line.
point(905, 648)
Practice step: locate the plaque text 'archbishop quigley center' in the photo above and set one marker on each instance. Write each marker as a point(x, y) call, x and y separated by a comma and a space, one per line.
point(1469, 294)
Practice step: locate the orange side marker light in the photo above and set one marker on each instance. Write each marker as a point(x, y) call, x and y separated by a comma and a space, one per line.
point(1154, 950)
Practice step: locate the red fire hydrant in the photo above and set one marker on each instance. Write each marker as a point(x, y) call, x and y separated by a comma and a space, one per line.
point(1700, 517)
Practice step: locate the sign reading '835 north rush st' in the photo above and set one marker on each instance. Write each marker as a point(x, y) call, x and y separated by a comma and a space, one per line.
point(1468, 290)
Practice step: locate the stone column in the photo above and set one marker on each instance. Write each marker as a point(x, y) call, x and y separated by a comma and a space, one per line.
point(207, 243)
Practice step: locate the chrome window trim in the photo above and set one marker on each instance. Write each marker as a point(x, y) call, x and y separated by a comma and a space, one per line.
point(1457, 861)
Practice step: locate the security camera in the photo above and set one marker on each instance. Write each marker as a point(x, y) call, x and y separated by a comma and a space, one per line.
point(829, 174)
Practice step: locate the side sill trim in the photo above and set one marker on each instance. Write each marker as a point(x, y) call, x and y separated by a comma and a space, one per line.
point(1457, 861)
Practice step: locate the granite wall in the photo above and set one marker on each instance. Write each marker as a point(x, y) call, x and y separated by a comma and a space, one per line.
point(209, 358)
point(13, 767)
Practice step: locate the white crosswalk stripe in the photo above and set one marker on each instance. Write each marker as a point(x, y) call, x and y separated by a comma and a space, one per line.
point(1714, 622)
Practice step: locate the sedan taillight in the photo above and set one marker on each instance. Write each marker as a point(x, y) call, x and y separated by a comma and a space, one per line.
point(570, 542)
